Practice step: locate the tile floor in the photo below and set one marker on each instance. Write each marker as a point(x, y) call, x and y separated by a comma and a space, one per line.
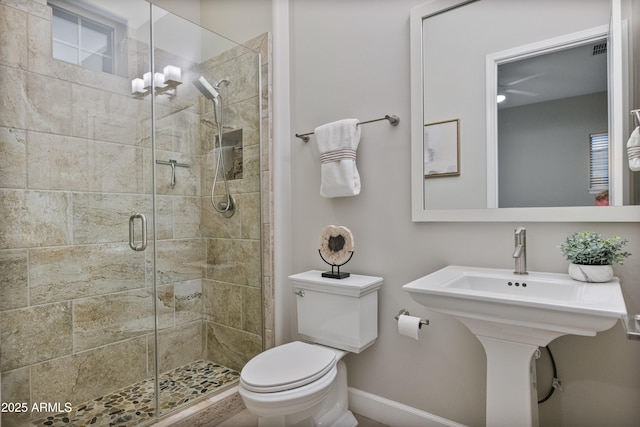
point(136, 404)
point(245, 419)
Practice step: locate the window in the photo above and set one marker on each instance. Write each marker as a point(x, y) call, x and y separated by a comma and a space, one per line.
point(598, 162)
point(81, 41)
point(86, 37)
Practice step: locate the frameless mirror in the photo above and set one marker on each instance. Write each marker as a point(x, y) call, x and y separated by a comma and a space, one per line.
point(529, 158)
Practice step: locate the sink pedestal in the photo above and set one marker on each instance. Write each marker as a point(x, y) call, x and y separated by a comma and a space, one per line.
point(512, 315)
point(511, 397)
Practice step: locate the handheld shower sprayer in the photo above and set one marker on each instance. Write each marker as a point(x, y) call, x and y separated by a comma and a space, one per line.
point(212, 92)
point(206, 89)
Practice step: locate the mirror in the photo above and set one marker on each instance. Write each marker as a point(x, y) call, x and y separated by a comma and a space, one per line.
point(448, 86)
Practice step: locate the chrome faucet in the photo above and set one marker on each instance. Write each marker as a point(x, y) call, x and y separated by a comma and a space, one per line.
point(520, 251)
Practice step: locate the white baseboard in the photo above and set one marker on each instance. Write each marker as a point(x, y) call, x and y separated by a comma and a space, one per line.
point(392, 413)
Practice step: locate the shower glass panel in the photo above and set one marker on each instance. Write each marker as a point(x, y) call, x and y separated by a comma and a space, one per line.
point(92, 331)
point(208, 264)
point(76, 303)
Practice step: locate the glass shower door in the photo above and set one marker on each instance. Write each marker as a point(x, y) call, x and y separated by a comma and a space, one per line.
point(77, 323)
point(208, 260)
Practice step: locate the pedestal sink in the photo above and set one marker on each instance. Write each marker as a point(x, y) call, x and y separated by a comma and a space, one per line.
point(512, 315)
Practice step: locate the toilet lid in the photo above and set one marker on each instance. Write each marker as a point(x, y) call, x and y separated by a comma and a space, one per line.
point(286, 367)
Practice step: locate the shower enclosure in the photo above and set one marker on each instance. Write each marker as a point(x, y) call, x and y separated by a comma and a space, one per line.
point(123, 294)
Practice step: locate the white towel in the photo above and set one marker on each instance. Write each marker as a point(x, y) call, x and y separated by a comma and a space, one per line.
point(338, 142)
point(633, 150)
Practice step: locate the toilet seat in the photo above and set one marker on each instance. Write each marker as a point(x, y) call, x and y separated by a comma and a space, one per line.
point(287, 367)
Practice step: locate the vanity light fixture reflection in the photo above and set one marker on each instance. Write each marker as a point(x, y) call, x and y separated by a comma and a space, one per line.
point(165, 83)
point(137, 87)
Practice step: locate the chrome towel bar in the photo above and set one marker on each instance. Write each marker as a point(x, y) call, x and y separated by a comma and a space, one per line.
point(393, 121)
point(631, 325)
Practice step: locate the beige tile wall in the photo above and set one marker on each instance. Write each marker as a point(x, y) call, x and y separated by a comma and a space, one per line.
point(76, 304)
point(232, 287)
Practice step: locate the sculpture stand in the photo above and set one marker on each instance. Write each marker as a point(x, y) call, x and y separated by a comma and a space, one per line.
point(335, 272)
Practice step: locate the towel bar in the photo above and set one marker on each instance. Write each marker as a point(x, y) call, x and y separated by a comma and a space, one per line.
point(631, 325)
point(393, 121)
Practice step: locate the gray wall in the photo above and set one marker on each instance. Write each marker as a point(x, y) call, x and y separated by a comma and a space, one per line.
point(351, 59)
point(543, 151)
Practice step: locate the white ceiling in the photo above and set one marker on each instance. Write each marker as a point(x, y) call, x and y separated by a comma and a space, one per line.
point(556, 75)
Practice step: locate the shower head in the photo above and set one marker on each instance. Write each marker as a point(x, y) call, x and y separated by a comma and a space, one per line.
point(211, 92)
point(206, 89)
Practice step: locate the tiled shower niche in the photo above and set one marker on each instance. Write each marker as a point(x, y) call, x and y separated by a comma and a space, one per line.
point(232, 153)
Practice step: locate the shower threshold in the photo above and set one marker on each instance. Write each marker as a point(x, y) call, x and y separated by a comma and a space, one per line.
point(135, 404)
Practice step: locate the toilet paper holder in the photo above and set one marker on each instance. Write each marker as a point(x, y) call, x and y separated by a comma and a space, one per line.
point(404, 311)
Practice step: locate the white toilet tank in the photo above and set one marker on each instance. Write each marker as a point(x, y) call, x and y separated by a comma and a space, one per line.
point(339, 313)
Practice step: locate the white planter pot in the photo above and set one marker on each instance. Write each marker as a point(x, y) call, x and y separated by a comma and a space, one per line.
point(591, 273)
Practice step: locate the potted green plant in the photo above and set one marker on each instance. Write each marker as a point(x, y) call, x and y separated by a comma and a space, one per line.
point(591, 256)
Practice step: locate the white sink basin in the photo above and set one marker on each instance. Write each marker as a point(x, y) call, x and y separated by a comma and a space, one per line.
point(513, 314)
point(549, 302)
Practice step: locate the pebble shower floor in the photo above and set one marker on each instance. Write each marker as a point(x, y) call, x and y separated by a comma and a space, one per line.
point(135, 404)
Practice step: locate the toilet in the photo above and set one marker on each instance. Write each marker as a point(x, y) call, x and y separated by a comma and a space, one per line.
point(304, 383)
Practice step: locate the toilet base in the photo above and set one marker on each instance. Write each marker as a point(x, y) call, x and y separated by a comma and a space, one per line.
point(346, 420)
point(333, 411)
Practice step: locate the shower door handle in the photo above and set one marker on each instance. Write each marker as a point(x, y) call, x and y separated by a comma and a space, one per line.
point(143, 221)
